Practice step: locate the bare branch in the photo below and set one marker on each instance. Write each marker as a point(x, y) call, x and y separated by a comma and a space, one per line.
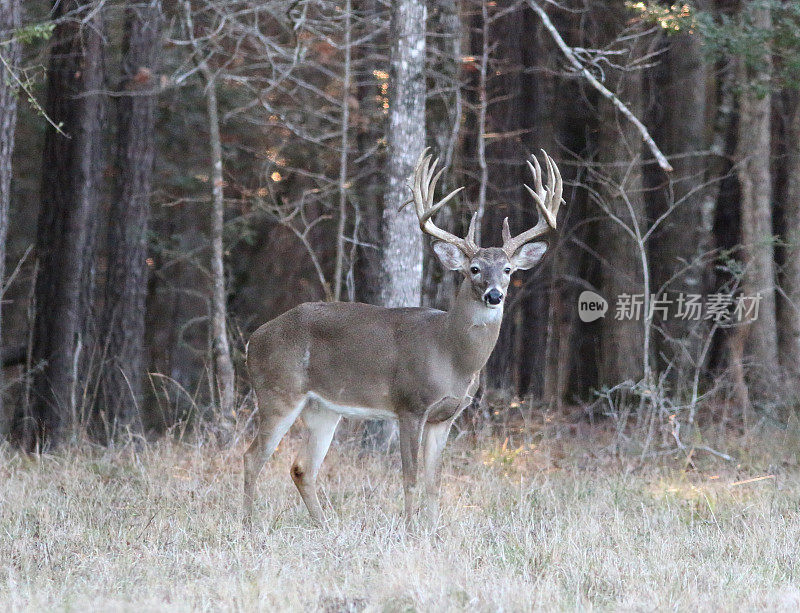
point(576, 63)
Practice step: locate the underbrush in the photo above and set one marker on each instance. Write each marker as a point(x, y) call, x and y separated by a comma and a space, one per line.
point(546, 518)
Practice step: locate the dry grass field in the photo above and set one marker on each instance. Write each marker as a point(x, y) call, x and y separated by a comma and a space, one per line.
point(556, 525)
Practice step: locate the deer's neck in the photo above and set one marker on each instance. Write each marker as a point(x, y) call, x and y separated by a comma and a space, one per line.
point(472, 329)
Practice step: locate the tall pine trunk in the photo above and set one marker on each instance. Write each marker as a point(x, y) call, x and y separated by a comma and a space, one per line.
point(546, 312)
point(71, 186)
point(790, 311)
point(619, 156)
point(685, 233)
point(755, 182)
point(9, 21)
point(127, 273)
point(367, 267)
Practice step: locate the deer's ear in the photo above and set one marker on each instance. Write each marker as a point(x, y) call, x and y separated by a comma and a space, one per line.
point(528, 255)
point(451, 257)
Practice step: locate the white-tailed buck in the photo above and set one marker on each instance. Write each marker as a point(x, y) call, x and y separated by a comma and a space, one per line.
point(419, 366)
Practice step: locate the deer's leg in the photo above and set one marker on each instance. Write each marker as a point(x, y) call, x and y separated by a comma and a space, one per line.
point(321, 424)
point(276, 416)
point(433, 442)
point(410, 440)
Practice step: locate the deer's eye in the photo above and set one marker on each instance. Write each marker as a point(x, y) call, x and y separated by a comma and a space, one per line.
point(507, 270)
point(474, 270)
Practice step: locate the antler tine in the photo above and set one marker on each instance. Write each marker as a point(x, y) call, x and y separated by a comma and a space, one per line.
point(559, 185)
point(556, 190)
point(426, 178)
point(416, 186)
point(470, 240)
point(420, 176)
point(537, 177)
point(431, 172)
point(423, 185)
point(426, 216)
point(547, 199)
point(551, 174)
point(506, 231)
point(434, 181)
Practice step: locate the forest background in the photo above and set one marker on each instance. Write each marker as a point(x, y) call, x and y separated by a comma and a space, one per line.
point(173, 174)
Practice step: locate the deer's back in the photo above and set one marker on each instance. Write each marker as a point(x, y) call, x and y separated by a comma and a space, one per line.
point(348, 353)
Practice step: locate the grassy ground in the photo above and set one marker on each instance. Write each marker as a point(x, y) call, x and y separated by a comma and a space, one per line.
point(558, 525)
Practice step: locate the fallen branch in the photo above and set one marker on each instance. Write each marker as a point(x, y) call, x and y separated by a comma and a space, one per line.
point(719, 454)
point(607, 93)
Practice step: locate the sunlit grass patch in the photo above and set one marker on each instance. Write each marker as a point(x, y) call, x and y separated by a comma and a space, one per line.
point(524, 526)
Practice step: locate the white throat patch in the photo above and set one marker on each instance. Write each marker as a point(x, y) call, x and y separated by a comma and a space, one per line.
point(485, 316)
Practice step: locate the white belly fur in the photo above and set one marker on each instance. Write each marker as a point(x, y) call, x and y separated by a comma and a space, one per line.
point(350, 411)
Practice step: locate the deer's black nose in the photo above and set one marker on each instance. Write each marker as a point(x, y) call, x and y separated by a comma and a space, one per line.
point(494, 296)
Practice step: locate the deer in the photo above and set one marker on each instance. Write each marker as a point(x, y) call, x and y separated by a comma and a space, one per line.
point(417, 366)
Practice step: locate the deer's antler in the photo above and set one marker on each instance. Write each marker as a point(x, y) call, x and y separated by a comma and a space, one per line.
point(423, 186)
point(547, 199)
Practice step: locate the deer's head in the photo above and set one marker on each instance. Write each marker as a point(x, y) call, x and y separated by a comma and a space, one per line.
point(488, 269)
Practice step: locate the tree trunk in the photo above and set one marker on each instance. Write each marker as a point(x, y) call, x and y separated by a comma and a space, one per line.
point(401, 282)
point(223, 365)
point(9, 21)
point(127, 273)
point(755, 182)
point(71, 186)
point(790, 311)
point(619, 154)
point(685, 233)
point(369, 188)
point(546, 310)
